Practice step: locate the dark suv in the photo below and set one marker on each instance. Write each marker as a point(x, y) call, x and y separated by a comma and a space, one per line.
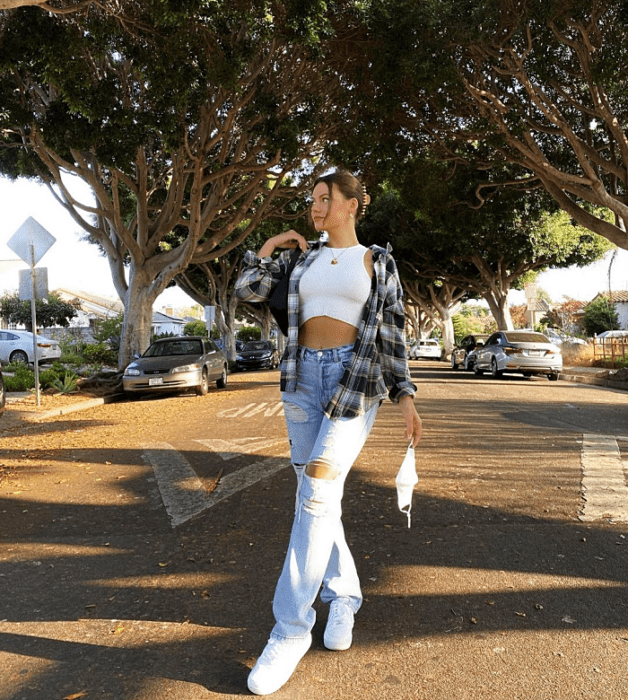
point(257, 354)
point(460, 355)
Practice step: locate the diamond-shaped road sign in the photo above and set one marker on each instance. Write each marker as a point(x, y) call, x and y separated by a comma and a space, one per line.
point(31, 233)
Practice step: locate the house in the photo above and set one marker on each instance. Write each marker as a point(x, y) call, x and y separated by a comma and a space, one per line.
point(619, 300)
point(164, 323)
point(92, 307)
point(536, 309)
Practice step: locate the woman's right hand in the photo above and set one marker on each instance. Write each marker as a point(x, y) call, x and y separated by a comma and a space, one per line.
point(289, 239)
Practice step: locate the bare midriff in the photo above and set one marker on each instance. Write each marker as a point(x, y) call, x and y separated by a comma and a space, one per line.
point(325, 332)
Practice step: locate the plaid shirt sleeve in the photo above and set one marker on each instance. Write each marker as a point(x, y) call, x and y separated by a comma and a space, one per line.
point(391, 339)
point(259, 276)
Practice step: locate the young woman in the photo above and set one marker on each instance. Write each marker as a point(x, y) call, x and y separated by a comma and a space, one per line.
point(345, 352)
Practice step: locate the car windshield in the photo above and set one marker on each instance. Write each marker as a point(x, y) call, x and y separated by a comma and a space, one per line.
point(514, 337)
point(256, 345)
point(175, 347)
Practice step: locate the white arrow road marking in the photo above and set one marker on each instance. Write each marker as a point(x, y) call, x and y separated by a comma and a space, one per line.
point(183, 493)
point(604, 486)
point(181, 489)
point(228, 449)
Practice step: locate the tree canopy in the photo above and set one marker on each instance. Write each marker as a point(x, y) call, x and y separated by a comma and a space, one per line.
point(188, 121)
point(539, 84)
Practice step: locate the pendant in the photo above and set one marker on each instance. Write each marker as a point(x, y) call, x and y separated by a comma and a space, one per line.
point(334, 262)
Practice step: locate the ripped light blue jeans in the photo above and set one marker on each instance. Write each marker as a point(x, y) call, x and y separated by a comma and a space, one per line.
point(318, 553)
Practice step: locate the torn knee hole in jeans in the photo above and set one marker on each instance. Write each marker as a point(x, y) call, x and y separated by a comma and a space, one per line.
point(295, 413)
point(321, 469)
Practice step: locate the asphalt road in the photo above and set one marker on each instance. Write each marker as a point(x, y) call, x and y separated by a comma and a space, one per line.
point(141, 543)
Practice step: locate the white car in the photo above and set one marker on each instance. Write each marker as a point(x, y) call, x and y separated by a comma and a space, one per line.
point(525, 352)
point(17, 346)
point(425, 348)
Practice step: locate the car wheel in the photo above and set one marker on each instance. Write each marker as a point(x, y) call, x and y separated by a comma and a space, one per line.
point(221, 382)
point(553, 377)
point(454, 364)
point(477, 370)
point(203, 387)
point(495, 373)
point(19, 356)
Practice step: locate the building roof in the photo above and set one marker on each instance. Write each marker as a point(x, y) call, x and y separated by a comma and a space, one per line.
point(620, 295)
point(159, 317)
point(92, 303)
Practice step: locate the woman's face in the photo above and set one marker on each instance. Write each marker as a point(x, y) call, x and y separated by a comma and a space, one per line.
point(330, 208)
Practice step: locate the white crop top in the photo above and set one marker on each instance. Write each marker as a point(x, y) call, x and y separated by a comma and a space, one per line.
point(337, 290)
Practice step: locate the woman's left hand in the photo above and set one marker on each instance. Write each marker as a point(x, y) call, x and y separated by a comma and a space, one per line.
point(414, 426)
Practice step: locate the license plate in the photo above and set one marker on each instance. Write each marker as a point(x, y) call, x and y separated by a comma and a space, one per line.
point(154, 381)
point(534, 353)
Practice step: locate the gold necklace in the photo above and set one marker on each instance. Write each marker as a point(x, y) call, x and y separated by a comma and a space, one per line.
point(335, 258)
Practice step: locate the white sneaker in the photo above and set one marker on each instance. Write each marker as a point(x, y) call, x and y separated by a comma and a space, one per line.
point(338, 633)
point(276, 664)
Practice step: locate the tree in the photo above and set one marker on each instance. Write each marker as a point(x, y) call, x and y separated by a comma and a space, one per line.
point(188, 123)
point(599, 316)
point(539, 84)
point(429, 216)
point(195, 328)
point(52, 311)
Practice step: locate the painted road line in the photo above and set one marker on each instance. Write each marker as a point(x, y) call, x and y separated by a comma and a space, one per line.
point(604, 488)
point(245, 477)
point(183, 493)
point(228, 449)
point(252, 409)
point(181, 489)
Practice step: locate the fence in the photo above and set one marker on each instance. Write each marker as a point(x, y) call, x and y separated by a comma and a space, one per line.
point(610, 350)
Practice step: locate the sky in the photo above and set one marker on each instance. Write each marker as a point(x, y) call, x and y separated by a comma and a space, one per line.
point(74, 264)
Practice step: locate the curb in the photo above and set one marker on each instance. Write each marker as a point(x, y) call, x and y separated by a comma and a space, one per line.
point(30, 417)
point(595, 381)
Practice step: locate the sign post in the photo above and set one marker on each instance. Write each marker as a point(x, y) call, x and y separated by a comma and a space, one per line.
point(31, 242)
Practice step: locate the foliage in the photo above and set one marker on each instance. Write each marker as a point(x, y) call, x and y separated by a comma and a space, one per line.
point(599, 316)
point(195, 328)
point(182, 118)
point(23, 379)
point(247, 333)
point(109, 330)
point(159, 336)
point(99, 353)
point(539, 84)
point(52, 311)
point(67, 385)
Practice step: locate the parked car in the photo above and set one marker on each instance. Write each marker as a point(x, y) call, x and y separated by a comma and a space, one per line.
point(525, 352)
point(425, 348)
point(3, 393)
point(560, 338)
point(613, 334)
point(173, 364)
point(17, 346)
point(257, 354)
point(460, 354)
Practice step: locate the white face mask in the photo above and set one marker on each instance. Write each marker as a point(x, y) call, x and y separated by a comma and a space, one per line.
point(405, 482)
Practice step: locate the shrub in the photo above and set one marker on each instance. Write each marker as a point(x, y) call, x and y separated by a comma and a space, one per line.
point(99, 353)
point(247, 333)
point(599, 316)
point(23, 379)
point(195, 328)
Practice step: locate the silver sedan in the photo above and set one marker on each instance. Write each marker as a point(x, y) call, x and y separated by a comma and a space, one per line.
point(173, 364)
point(523, 352)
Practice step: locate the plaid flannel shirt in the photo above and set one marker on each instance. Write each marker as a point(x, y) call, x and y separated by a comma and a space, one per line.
point(379, 364)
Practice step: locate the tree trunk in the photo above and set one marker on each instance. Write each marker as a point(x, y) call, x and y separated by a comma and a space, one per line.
point(498, 304)
point(138, 319)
